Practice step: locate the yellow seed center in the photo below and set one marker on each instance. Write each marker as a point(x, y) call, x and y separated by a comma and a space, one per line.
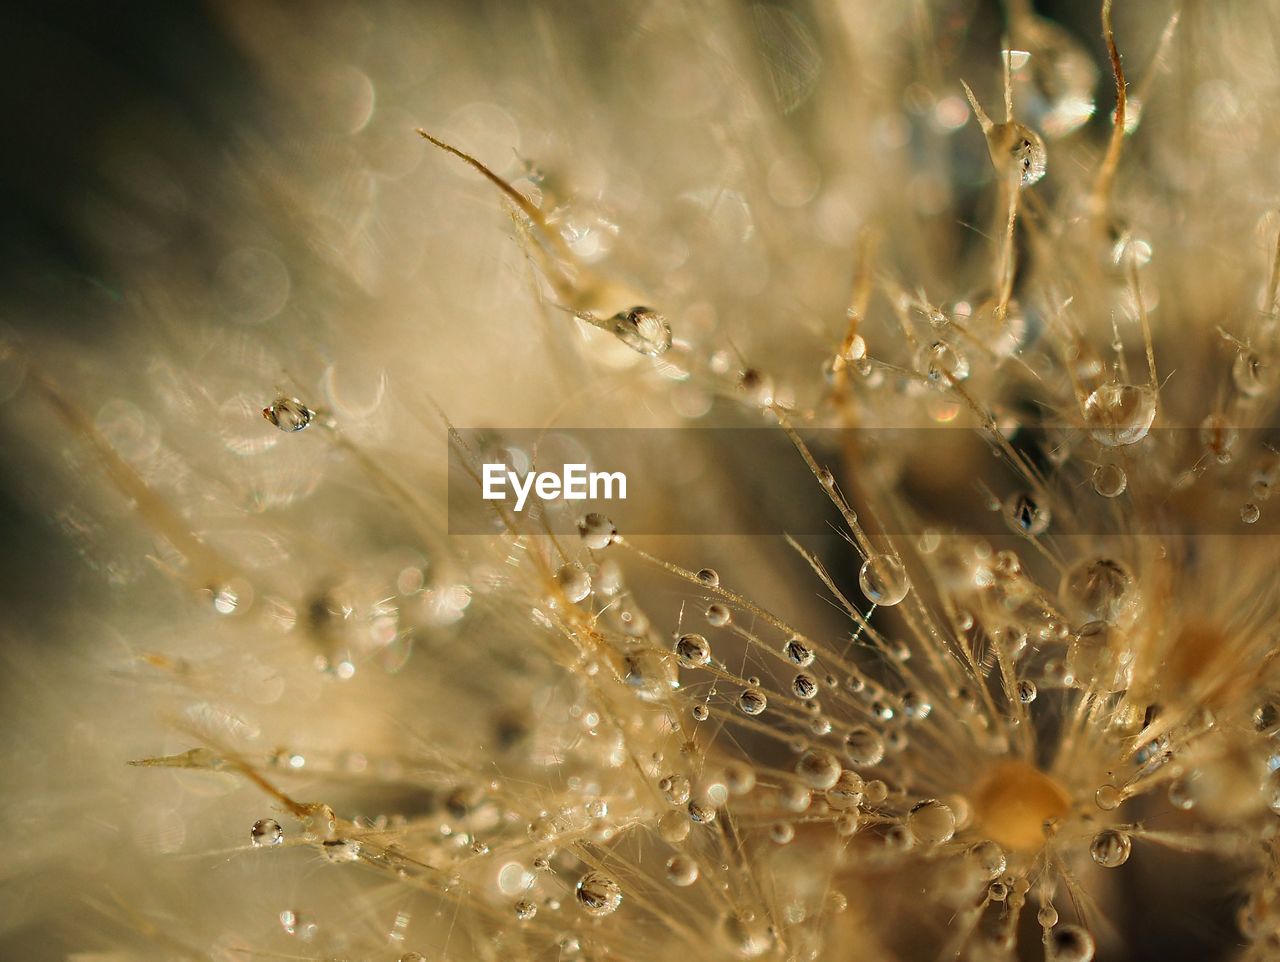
point(1013, 800)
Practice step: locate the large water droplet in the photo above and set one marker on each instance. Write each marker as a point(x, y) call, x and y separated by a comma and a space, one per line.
point(1110, 848)
point(883, 579)
point(288, 414)
point(1119, 414)
point(642, 329)
point(598, 894)
point(266, 831)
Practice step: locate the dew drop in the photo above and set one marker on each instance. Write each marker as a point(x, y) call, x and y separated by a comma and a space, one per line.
point(1119, 414)
point(288, 414)
point(682, 871)
point(694, 651)
point(1108, 798)
point(883, 579)
point(864, 747)
point(1109, 480)
point(1026, 514)
point(819, 769)
point(701, 713)
point(1098, 589)
point(644, 330)
point(989, 858)
point(1021, 148)
point(525, 910)
point(718, 616)
point(673, 827)
point(598, 894)
point(1252, 376)
point(943, 364)
point(266, 832)
point(597, 531)
point(746, 936)
point(804, 686)
point(573, 581)
point(340, 849)
point(846, 793)
point(1047, 916)
point(709, 577)
point(1250, 513)
point(782, 832)
point(675, 789)
point(1069, 943)
point(798, 653)
point(1027, 691)
point(1110, 848)
point(752, 701)
point(931, 822)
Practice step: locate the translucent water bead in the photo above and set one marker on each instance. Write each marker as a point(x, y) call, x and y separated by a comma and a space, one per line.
point(642, 329)
point(266, 832)
point(598, 894)
point(1026, 514)
point(574, 581)
point(694, 651)
point(883, 579)
point(597, 531)
point(1110, 848)
point(1119, 414)
point(1021, 148)
point(288, 414)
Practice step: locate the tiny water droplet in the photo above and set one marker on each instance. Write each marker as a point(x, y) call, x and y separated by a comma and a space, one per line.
point(573, 581)
point(288, 414)
point(642, 329)
point(682, 871)
point(718, 615)
point(597, 531)
point(1250, 513)
point(931, 822)
point(525, 910)
point(864, 747)
point(265, 832)
point(752, 701)
point(818, 769)
point(1027, 514)
point(709, 577)
point(1109, 480)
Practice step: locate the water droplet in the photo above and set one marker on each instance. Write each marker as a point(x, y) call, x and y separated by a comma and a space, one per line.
point(700, 813)
point(673, 827)
point(746, 936)
point(709, 577)
point(525, 910)
point(798, 653)
point(819, 769)
point(864, 747)
point(597, 531)
point(288, 414)
point(266, 831)
point(846, 793)
point(1253, 377)
point(682, 871)
point(739, 778)
point(1108, 798)
point(752, 701)
point(675, 789)
point(943, 364)
point(1069, 943)
point(598, 894)
point(718, 616)
point(1109, 480)
point(573, 581)
point(1026, 514)
point(1021, 148)
point(1119, 414)
point(931, 822)
point(694, 651)
point(1110, 848)
point(804, 686)
point(883, 579)
point(1027, 691)
point(1250, 513)
point(642, 329)
point(757, 386)
point(701, 713)
point(1047, 916)
point(1098, 589)
point(340, 849)
point(989, 858)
